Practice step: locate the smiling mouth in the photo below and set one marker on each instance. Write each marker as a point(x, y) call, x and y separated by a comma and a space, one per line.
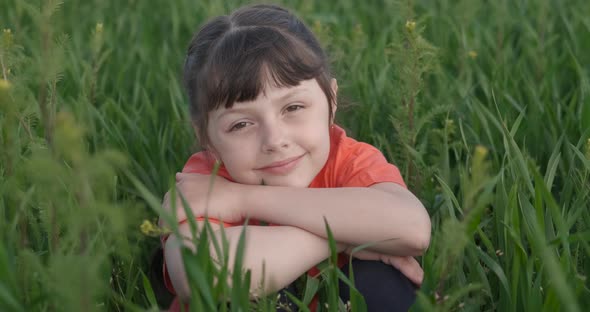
point(281, 167)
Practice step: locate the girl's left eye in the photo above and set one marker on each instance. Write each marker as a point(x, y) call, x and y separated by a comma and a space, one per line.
point(239, 126)
point(292, 108)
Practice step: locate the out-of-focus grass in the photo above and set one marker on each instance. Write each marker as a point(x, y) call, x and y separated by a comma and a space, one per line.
point(485, 106)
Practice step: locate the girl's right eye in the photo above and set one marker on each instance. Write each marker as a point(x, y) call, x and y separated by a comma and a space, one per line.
point(238, 126)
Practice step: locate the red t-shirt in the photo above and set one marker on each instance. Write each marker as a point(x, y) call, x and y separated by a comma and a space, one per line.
point(350, 164)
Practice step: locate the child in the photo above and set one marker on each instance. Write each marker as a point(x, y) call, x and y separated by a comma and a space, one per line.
point(262, 100)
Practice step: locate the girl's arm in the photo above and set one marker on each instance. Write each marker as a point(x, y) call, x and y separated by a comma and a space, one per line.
point(385, 213)
point(285, 252)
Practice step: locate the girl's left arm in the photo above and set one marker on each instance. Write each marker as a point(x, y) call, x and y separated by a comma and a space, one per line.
point(385, 213)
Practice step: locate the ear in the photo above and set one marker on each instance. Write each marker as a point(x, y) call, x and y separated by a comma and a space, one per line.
point(334, 85)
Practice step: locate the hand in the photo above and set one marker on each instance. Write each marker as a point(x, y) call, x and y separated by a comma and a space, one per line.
point(408, 266)
point(220, 202)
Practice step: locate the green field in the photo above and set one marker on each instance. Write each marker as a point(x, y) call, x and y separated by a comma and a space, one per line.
point(483, 105)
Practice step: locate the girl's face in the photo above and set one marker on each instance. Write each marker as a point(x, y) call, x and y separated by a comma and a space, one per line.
point(282, 137)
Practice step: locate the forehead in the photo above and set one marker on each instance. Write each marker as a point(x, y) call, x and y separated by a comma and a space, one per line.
point(272, 93)
point(275, 93)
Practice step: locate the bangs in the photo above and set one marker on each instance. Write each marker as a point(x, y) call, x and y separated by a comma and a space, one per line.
point(248, 59)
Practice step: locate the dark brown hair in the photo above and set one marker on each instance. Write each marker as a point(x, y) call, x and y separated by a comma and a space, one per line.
point(231, 58)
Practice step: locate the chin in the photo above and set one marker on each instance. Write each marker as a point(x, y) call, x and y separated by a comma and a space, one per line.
point(285, 181)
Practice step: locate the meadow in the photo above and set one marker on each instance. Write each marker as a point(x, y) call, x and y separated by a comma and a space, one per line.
point(483, 105)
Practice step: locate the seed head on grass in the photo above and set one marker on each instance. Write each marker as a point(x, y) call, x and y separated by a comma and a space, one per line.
point(5, 47)
point(69, 137)
point(7, 37)
point(5, 87)
point(97, 37)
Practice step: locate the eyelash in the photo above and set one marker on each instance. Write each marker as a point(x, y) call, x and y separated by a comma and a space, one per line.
point(244, 124)
point(236, 128)
point(299, 107)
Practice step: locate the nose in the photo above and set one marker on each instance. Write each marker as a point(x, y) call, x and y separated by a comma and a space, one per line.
point(274, 137)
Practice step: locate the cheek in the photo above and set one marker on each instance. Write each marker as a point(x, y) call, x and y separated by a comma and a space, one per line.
point(237, 156)
point(316, 139)
point(325, 142)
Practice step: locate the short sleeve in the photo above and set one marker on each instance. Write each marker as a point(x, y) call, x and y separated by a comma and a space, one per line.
point(203, 163)
point(365, 166)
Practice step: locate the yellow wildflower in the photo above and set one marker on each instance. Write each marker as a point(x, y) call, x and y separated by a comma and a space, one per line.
point(472, 54)
point(150, 229)
point(5, 84)
point(481, 152)
point(410, 25)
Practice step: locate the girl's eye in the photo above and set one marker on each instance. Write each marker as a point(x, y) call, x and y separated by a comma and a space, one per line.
point(240, 125)
point(292, 108)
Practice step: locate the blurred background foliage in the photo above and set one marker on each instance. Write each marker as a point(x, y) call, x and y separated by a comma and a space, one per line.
point(484, 106)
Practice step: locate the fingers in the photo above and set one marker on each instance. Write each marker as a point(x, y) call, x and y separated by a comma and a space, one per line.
point(417, 274)
point(167, 203)
point(181, 187)
point(409, 267)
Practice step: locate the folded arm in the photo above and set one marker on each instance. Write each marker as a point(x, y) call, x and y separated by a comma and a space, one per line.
point(285, 253)
point(385, 212)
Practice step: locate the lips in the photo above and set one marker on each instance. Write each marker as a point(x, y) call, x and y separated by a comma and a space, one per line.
point(281, 167)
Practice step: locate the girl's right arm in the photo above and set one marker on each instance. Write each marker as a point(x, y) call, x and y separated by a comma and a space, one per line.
point(285, 253)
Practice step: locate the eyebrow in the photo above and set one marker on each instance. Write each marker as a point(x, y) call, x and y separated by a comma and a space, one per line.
point(232, 110)
point(289, 94)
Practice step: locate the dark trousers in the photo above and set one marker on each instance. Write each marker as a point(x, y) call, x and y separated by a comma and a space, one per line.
point(384, 287)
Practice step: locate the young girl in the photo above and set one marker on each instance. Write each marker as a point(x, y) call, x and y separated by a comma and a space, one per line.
point(262, 100)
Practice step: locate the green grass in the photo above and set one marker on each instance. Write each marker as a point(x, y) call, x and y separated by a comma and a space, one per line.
point(484, 106)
